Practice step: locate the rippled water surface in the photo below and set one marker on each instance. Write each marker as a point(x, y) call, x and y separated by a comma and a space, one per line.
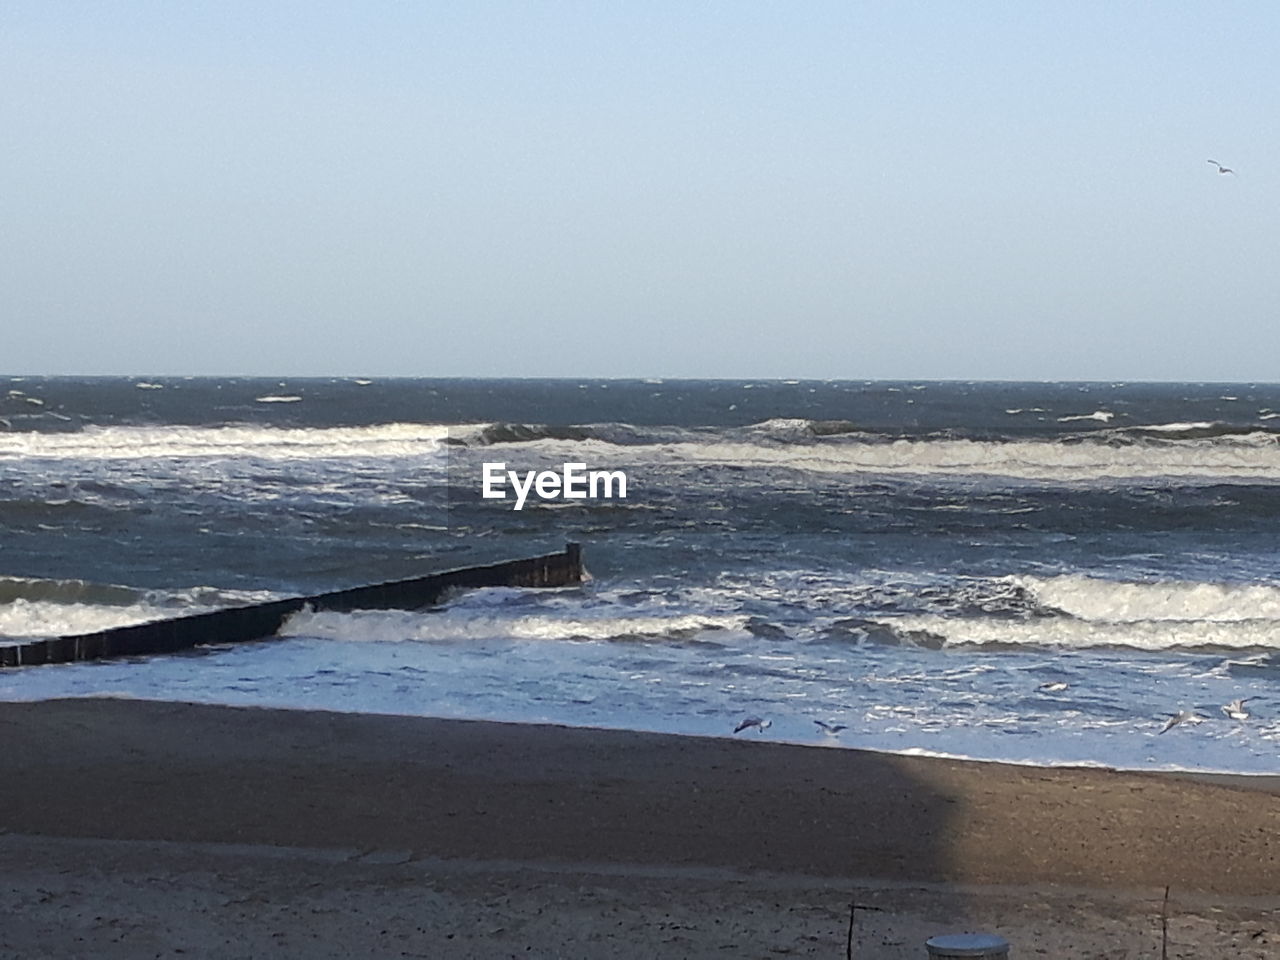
point(923, 564)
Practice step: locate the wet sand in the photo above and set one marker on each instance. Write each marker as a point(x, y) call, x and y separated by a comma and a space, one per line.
point(561, 838)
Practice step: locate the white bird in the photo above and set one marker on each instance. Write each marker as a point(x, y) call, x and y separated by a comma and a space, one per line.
point(750, 722)
point(1182, 716)
point(1056, 687)
point(1237, 710)
point(831, 728)
point(1221, 168)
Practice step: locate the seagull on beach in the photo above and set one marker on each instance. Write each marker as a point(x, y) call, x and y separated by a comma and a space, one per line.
point(831, 728)
point(1237, 710)
point(749, 722)
point(1221, 168)
point(1182, 716)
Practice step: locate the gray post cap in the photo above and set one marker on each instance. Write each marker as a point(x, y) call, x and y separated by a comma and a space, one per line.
point(968, 945)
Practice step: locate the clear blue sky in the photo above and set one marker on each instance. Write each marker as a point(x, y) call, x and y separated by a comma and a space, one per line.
point(870, 190)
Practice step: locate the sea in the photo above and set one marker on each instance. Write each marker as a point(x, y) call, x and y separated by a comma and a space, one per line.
point(1037, 573)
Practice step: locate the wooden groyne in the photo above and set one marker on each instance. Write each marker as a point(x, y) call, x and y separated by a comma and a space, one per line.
point(261, 620)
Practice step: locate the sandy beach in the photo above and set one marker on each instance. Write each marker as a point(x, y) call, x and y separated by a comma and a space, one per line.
point(158, 829)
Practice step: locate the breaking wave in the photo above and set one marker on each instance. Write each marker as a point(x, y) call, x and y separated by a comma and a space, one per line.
point(13, 589)
point(469, 626)
point(1176, 450)
point(267, 443)
point(31, 608)
point(1203, 430)
point(1091, 598)
point(1080, 612)
point(1070, 633)
point(619, 434)
point(1193, 451)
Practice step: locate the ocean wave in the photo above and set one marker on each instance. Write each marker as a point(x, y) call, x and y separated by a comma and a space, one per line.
point(1069, 611)
point(22, 619)
point(13, 589)
point(1120, 602)
point(1022, 459)
point(1218, 451)
point(1196, 430)
point(616, 434)
point(1071, 633)
point(58, 608)
point(783, 430)
point(469, 625)
point(237, 440)
point(1191, 450)
point(495, 433)
point(801, 430)
point(1102, 416)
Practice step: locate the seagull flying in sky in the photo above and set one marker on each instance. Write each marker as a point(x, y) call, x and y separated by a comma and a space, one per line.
point(831, 728)
point(750, 722)
point(1221, 168)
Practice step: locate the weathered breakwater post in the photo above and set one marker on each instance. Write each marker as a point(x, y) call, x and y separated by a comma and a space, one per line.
point(260, 620)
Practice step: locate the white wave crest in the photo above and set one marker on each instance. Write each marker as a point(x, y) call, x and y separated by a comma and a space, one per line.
point(1175, 427)
point(268, 443)
point(1102, 416)
point(1108, 601)
point(24, 619)
point(395, 625)
point(1070, 633)
point(1249, 457)
point(60, 617)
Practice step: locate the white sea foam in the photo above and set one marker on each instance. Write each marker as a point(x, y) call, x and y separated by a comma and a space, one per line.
point(1093, 612)
point(1248, 457)
point(41, 618)
point(1076, 634)
point(470, 625)
point(1229, 457)
point(1092, 598)
point(291, 398)
point(783, 425)
point(1238, 457)
point(269, 443)
point(28, 618)
point(1176, 427)
point(1102, 416)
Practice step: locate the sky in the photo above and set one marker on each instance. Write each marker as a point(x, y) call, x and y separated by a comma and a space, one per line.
point(943, 190)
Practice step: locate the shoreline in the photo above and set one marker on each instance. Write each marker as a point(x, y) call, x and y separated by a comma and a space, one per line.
point(1267, 782)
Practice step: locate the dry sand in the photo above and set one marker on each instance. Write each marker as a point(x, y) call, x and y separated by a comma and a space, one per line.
point(137, 829)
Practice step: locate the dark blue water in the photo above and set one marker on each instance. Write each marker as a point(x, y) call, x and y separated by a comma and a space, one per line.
point(914, 560)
